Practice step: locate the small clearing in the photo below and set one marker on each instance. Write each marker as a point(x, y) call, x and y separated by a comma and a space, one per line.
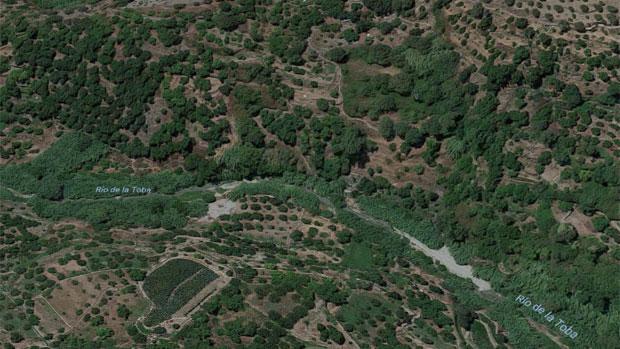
point(219, 207)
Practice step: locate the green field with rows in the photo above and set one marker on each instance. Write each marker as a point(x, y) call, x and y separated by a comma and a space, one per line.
point(172, 285)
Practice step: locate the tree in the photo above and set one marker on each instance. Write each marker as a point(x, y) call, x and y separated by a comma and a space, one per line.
point(135, 148)
point(335, 335)
point(521, 54)
point(455, 148)
point(344, 237)
point(415, 138)
point(498, 76)
point(600, 223)
point(104, 332)
point(379, 54)
point(16, 337)
point(322, 104)
point(613, 94)
point(297, 235)
point(249, 99)
point(228, 21)
point(51, 189)
point(333, 8)
point(547, 62)
point(580, 27)
point(572, 96)
point(137, 274)
point(350, 35)
point(241, 161)
point(386, 128)
point(329, 291)
point(521, 23)
point(380, 7)
point(337, 55)
point(565, 233)
point(123, 311)
point(477, 11)
point(465, 317)
point(286, 127)
point(249, 132)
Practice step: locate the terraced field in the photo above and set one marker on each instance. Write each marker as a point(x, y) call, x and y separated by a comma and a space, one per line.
point(172, 285)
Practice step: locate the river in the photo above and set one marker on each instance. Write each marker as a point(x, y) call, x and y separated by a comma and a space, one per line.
point(442, 255)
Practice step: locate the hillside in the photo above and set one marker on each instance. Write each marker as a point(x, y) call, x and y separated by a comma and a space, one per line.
point(309, 174)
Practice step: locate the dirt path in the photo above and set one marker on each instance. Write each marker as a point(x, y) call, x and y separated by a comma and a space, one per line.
point(347, 336)
point(18, 194)
point(542, 329)
point(337, 80)
point(490, 335)
point(321, 314)
point(296, 150)
point(38, 332)
point(578, 220)
point(57, 314)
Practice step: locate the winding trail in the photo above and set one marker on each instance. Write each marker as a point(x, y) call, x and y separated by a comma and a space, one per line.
point(337, 80)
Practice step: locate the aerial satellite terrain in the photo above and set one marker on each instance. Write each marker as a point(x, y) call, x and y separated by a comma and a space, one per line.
point(312, 174)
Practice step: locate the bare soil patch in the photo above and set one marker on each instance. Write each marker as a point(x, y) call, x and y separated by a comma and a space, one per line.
point(221, 206)
point(75, 293)
point(577, 219)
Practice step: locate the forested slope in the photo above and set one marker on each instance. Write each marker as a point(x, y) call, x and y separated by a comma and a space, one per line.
point(490, 127)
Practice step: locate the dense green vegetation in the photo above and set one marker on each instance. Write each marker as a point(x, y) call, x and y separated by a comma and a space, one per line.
point(46, 174)
point(416, 225)
point(59, 173)
point(464, 124)
point(64, 4)
point(64, 190)
point(426, 85)
point(482, 222)
point(172, 285)
point(152, 211)
point(282, 191)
